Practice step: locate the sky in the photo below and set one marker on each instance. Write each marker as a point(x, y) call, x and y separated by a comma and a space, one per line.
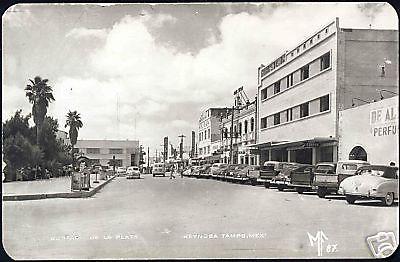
point(142, 72)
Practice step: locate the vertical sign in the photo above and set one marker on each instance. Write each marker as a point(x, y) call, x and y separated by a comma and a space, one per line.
point(193, 143)
point(165, 148)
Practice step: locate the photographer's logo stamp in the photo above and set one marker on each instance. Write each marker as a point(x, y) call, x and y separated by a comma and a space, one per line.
point(382, 244)
point(318, 241)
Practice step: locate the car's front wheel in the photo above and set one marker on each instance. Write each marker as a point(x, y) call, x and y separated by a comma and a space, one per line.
point(300, 190)
point(321, 192)
point(266, 184)
point(351, 199)
point(280, 188)
point(388, 200)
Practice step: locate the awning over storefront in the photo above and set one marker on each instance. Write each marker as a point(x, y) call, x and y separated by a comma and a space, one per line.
point(315, 142)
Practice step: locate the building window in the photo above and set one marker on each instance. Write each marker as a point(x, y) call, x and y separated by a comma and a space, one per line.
point(264, 122)
point(326, 30)
point(208, 150)
point(289, 114)
point(92, 150)
point(304, 46)
point(264, 93)
point(277, 119)
point(291, 54)
point(290, 80)
point(209, 133)
point(304, 110)
point(277, 87)
point(325, 61)
point(311, 41)
point(245, 126)
point(324, 103)
point(304, 72)
point(252, 124)
point(115, 150)
point(298, 50)
point(318, 36)
point(240, 128)
point(235, 131)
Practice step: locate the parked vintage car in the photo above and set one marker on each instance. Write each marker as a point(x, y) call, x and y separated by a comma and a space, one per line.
point(372, 182)
point(187, 171)
point(222, 171)
point(121, 171)
point(234, 174)
point(228, 173)
point(242, 175)
point(283, 179)
point(132, 172)
point(216, 169)
point(270, 169)
point(301, 178)
point(327, 176)
point(253, 174)
point(204, 171)
point(195, 171)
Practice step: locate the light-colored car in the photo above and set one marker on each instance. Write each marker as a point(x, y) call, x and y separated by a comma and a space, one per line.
point(158, 169)
point(327, 176)
point(372, 182)
point(121, 171)
point(132, 172)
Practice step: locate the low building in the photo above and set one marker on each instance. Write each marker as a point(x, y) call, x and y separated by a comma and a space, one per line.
point(101, 152)
point(370, 132)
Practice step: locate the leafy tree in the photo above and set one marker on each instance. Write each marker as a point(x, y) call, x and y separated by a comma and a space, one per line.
point(40, 95)
point(74, 122)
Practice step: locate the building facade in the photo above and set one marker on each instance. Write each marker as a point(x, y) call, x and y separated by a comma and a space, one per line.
point(101, 152)
point(242, 136)
point(370, 132)
point(301, 93)
point(209, 131)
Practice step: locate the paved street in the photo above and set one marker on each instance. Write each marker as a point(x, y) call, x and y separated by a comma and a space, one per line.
point(159, 217)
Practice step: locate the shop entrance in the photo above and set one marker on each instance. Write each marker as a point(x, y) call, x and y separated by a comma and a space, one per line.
point(304, 156)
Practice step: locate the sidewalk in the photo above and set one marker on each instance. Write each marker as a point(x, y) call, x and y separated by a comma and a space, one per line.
point(48, 188)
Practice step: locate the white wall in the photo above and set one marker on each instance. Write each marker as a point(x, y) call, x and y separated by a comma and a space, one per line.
point(358, 128)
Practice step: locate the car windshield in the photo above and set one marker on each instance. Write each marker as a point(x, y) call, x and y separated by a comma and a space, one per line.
point(372, 172)
point(349, 167)
point(268, 167)
point(324, 168)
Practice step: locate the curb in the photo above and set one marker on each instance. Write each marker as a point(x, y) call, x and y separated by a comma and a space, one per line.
point(78, 194)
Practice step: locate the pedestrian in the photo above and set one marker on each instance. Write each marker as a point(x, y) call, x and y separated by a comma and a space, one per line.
point(171, 172)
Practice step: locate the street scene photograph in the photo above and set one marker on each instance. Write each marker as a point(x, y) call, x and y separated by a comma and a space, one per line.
point(263, 130)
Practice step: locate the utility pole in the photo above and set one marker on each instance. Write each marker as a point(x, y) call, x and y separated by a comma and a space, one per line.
point(231, 137)
point(181, 147)
point(148, 159)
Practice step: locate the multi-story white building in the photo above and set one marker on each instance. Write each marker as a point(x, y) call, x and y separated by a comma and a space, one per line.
point(126, 152)
point(243, 135)
point(209, 131)
point(301, 92)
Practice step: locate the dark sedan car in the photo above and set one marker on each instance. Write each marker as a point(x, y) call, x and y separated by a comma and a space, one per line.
point(283, 179)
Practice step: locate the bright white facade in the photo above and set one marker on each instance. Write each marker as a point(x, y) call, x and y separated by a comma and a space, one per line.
point(126, 152)
point(371, 132)
point(301, 93)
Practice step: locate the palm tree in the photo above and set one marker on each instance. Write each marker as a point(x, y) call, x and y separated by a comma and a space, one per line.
point(40, 95)
point(74, 122)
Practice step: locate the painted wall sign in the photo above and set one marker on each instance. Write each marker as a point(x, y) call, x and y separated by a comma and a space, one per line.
point(384, 121)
